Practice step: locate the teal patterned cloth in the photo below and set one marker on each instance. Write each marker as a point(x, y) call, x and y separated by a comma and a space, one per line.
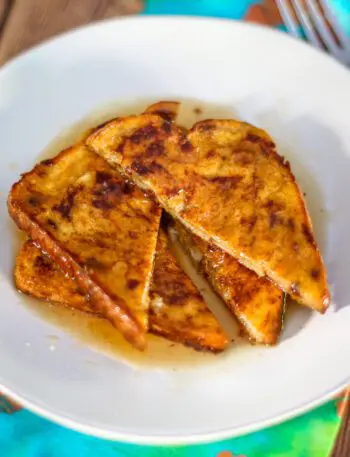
point(23, 434)
point(234, 9)
point(342, 10)
point(227, 9)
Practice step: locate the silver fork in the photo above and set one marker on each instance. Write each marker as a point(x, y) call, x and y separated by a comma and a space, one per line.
point(318, 22)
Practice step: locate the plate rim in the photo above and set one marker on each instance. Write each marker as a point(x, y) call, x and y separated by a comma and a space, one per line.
point(170, 18)
point(169, 439)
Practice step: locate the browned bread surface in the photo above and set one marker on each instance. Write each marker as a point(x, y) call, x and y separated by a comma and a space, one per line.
point(99, 228)
point(225, 181)
point(37, 275)
point(177, 310)
point(255, 301)
point(168, 110)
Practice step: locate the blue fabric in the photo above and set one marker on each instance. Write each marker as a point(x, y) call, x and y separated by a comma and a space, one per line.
point(24, 434)
point(217, 8)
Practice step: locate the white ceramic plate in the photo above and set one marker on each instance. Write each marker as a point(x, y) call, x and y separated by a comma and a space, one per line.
point(302, 98)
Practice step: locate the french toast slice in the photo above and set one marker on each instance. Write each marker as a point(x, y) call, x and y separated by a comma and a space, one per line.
point(168, 110)
point(225, 181)
point(99, 228)
point(37, 275)
point(255, 301)
point(177, 310)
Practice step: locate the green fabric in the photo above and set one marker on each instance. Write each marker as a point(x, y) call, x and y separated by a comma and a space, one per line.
point(24, 434)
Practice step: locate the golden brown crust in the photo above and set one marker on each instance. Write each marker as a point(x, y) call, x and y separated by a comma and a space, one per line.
point(177, 310)
point(168, 110)
point(113, 311)
point(37, 275)
point(225, 181)
point(256, 302)
point(98, 228)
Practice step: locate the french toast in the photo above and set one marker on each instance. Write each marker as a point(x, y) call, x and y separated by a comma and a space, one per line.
point(255, 301)
point(37, 275)
point(168, 110)
point(176, 311)
point(100, 230)
point(225, 181)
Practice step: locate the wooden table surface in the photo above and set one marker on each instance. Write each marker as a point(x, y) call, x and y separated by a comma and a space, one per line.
point(25, 23)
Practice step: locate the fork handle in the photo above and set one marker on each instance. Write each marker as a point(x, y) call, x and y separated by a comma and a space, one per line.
point(342, 444)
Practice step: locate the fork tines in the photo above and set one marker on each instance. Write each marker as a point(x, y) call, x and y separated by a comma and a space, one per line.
point(315, 20)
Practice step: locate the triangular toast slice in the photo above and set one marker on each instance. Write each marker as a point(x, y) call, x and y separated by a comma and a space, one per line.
point(177, 310)
point(99, 228)
point(225, 181)
point(37, 275)
point(255, 301)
